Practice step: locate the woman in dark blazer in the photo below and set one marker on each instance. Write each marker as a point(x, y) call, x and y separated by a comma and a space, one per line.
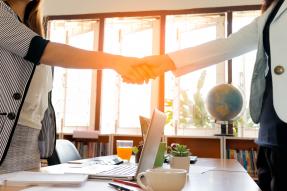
point(25, 83)
point(268, 103)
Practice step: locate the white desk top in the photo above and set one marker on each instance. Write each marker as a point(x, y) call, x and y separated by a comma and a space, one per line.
point(205, 175)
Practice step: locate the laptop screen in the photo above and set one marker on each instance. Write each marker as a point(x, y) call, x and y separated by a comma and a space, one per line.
point(152, 141)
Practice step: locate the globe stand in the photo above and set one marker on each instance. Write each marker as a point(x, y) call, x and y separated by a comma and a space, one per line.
point(226, 128)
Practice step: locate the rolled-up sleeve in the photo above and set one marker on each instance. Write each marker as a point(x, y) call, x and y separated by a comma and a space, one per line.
point(15, 37)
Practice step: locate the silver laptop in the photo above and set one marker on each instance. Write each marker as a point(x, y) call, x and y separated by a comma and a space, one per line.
point(130, 171)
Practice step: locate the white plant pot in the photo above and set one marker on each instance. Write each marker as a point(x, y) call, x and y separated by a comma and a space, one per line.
point(180, 162)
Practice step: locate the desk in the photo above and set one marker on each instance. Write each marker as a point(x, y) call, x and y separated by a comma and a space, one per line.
point(227, 175)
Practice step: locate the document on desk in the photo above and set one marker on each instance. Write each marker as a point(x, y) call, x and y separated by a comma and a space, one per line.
point(39, 178)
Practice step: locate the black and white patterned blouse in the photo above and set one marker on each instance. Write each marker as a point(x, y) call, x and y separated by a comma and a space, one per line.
point(20, 52)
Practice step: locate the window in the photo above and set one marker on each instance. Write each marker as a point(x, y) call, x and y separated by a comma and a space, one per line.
point(185, 96)
point(74, 90)
point(123, 103)
point(242, 67)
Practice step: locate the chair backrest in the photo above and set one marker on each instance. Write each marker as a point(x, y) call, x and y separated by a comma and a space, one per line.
point(65, 151)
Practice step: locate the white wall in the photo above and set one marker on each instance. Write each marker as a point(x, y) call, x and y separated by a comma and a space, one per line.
point(67, 7)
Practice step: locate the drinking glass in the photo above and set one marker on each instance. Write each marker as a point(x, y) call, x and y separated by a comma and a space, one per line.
point(124, 149)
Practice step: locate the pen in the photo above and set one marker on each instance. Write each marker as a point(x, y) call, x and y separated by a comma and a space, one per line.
point(128, 183)
point(119, 188)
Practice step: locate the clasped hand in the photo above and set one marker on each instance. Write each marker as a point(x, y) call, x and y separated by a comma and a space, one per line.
point(141, 70)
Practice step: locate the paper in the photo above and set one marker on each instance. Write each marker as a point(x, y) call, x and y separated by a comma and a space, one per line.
point(39, 178)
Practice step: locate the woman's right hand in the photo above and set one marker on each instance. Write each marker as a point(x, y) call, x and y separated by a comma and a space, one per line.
point(134, 70)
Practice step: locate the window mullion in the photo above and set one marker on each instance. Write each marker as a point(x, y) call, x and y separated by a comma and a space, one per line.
point(229, 31)
point(65, 80)
point(220, 67)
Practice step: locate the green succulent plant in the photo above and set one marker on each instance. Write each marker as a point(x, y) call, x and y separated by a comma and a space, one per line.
point(179, 150)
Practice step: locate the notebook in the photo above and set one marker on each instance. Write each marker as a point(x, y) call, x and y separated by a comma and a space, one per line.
point(129, 171)
point(25, 178)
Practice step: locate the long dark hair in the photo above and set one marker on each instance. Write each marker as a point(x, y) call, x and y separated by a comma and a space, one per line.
point(266, 4)
point(34, 19)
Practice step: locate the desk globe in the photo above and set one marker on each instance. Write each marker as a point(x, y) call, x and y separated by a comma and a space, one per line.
point(224, 103)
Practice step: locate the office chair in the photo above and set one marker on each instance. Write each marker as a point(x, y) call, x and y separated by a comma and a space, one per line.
point(65, 151)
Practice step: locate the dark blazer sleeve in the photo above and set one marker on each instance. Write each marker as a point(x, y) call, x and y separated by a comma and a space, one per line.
point(16, 38)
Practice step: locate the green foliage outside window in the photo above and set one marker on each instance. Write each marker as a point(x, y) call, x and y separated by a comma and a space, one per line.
point(244, 120)
point(191, 112)
point(200, 115)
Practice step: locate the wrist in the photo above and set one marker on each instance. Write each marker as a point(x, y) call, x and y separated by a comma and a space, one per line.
point(169, 62)
point(117, 62)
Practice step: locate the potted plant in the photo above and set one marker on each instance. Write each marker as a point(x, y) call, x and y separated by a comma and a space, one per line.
point(179, 156)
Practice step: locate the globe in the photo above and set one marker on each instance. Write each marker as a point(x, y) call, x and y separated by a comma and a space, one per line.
point(224, 102)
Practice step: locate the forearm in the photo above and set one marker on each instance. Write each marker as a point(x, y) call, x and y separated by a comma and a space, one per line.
point(66, 56)
point(213, 52)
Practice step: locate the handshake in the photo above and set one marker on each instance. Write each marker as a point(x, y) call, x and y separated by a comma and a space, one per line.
point(141, 70)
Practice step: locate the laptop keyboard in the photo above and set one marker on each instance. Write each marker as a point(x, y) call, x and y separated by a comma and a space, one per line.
point(121, 170)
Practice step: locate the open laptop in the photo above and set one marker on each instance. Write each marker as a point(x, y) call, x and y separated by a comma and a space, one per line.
point(129, 171)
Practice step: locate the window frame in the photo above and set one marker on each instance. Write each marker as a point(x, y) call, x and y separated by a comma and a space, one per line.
point(91, 123)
